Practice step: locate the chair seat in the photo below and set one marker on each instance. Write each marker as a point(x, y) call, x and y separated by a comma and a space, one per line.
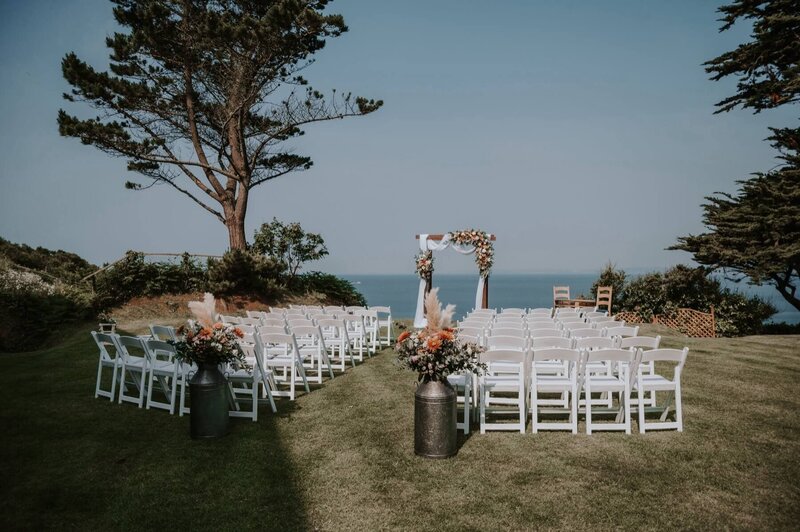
point(605, 382)
point(656, 382)
point(552, 380)
point(163, 365)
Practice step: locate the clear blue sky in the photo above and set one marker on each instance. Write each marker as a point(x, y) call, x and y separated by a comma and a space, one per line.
point(578, 132)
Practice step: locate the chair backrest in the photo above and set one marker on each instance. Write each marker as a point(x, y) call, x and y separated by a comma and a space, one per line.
point(585, 332)
point(159, 349)
point(273, 322)
point(569, 325)
point(604, 298)
point(504, 331)
point(104, 341)
point(541, 321)
point(667, 355)
point(507, 343)
point(462, 339)
point(470, 331)
point(513, 311)
point(540, 311)
point(249, 321)
point(256, 314)
point(560, 292)
point(354, 308)
point(551, 341)
point(594, 343)
point(608, 323)
point(383, 310)
point(272, 330)
point(163, 332)
point(613, 354)
point(332, 308)
point(556, 353)
point(484, 311)
point(545, 331)
point(247, 329)
point(131, 346)
point(596, 314)
point(475, 322)
point(308, 335)
point(621, 331)
point(229, 319)
point(647, 342)
point(502, 355)
point(300, 322)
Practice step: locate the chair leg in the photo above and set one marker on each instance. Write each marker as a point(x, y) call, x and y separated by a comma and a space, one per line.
point(113, 382)
point(150, 390)
point(588, 408)
point(627, 410)
point(678, 407)
point(99, 375)
point(641, 397)
point(575, 400)
point(483, 408)
point(534, 410)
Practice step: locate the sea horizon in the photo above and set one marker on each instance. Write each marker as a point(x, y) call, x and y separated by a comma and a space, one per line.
point(526, 290)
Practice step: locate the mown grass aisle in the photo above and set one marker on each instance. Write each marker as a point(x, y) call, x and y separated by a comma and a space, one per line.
point(342, 456)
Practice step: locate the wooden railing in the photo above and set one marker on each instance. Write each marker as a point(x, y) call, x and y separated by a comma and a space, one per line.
point(685, 320)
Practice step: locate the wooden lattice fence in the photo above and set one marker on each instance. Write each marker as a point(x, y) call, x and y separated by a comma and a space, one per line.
point(685, 320)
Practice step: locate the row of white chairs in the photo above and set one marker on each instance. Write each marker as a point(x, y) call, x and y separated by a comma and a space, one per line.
point(563, 381)
point(378, 318)
point(278, 358)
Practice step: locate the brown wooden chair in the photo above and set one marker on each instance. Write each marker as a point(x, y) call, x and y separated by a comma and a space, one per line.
point(604, 298)
point(561, 296)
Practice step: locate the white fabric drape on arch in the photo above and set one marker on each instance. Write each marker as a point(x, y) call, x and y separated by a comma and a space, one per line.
point(426, 244)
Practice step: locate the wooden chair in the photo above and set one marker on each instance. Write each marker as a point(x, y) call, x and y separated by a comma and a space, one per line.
point(561, 296)
point(604, 298)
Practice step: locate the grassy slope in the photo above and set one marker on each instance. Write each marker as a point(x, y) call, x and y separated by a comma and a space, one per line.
point(341, 457)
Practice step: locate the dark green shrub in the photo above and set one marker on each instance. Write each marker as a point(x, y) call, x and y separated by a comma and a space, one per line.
point(32, 310)
point(55, 265)
point(241, 272)
point(338, 291)
point(610, 276)
point(134, 277)
point(684, 287)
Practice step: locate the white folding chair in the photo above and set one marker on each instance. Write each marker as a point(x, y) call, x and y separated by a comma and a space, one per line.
point(565, 384)
point(281, 351)
point(134, 362)
point(462, 383)
point(311, 342)
point(385, 322)
point(334, 333)
point(163, 333)
point(371, 328)
point(245, 383)
point(356, 332)
point(610, 383)
point(646, 368)
point(657, 383)
point(164, 368)
point(106, 359)
point(510, 382)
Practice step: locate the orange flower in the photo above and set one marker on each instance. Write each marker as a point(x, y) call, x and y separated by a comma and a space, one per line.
point(238, 332)
point(218, 325)
point(447, 335)
point(433, 343)
point(403, 336)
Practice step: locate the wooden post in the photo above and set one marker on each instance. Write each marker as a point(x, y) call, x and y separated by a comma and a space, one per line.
point(428, 286)
point(485, 299)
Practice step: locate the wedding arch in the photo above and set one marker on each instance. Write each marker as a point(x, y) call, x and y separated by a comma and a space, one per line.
point(465, 242)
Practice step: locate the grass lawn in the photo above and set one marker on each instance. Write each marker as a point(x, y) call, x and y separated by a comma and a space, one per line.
point(341, 457)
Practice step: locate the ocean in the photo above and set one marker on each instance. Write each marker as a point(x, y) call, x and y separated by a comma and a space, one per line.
point(508, 290)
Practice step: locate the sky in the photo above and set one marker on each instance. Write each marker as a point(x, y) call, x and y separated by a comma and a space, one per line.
point(578, 132)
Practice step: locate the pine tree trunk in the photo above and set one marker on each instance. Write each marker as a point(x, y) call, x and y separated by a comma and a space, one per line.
point(236, 235)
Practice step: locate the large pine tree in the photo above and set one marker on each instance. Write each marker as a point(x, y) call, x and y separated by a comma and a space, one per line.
point(755, 233)
point(202, 96)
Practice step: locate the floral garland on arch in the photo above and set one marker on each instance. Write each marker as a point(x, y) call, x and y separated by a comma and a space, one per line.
point(424, 265)
point(484, 250)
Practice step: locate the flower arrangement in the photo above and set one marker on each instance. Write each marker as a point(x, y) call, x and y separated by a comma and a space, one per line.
point(434, 352)
point(424, 264)
point(484, 250)
point(208, 341)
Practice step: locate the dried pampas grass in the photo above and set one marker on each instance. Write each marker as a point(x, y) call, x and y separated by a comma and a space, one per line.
point(205, 311)
point(438, 319)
